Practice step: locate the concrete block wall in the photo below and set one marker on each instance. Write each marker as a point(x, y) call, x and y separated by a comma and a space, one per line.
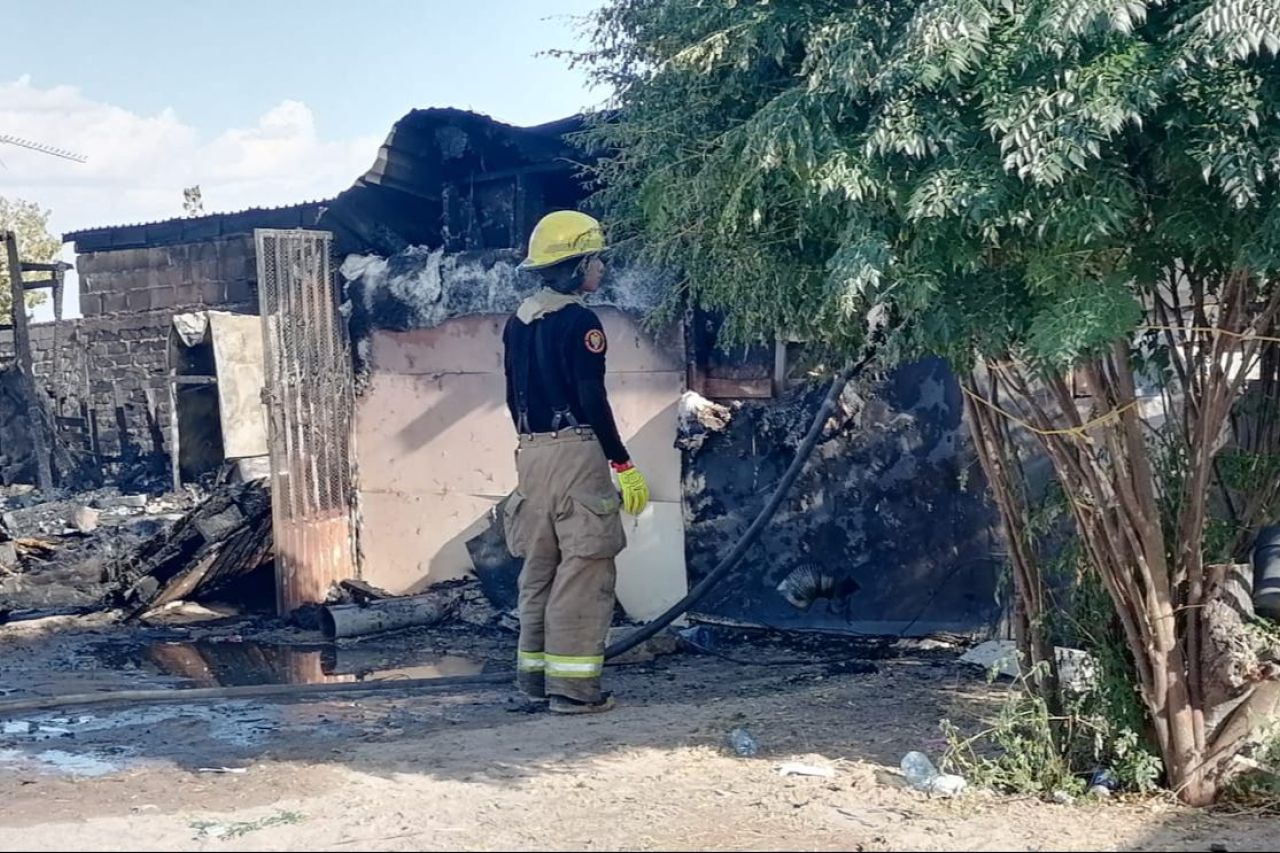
point(220, 272)
point(117, 352)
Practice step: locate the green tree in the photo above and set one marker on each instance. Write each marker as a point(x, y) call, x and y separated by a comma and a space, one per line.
point(35, 243)
point(1052, 194)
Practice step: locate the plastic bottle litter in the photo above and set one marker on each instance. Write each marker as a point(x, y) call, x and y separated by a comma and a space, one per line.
point(741, 742)
point(918, 769)
point(922, 775)
point(1105, 778)
point(947, 785)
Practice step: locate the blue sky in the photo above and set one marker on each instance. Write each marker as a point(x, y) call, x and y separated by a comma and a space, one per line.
point(359, 66)
point(258, 103)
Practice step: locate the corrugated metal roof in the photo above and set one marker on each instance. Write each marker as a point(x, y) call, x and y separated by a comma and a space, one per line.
point(186, 229)
point(71, 235)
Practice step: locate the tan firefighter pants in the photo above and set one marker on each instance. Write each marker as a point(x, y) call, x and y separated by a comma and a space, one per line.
point(563, 519)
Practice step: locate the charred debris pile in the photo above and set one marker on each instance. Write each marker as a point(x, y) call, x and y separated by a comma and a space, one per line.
point(204, 553)
point(104, 549)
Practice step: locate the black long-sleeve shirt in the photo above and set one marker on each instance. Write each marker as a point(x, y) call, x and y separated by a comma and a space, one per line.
point(574, 341)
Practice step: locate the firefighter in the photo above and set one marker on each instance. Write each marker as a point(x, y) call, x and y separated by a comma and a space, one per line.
point(563, 518)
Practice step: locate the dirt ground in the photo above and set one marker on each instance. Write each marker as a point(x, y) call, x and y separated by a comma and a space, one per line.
point(484, 771)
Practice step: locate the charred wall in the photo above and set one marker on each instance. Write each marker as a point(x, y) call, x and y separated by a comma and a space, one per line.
point(106, 373)
point(888, 530)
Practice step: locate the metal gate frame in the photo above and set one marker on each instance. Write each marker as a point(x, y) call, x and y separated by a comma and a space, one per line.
point(310, 414)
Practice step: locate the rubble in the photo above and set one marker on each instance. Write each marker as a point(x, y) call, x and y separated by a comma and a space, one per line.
point(83, 519)
point(876, 520)
point(665, 643)
point(24, 513)
point(100, 549)
point(699, 418)
point(56, 572)
point(1076, 668)
point(361, 592)
point(215, 544)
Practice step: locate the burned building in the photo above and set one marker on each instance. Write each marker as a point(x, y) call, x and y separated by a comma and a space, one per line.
point(106, 372)
point(888, 531)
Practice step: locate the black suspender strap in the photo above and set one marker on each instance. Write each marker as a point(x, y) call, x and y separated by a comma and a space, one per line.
point(553, 380)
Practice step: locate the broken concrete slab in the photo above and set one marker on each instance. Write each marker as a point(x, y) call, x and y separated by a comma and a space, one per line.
point(1076, 669)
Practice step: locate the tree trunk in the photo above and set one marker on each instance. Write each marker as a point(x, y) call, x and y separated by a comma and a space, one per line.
point(1143, 532)
point(998, 457)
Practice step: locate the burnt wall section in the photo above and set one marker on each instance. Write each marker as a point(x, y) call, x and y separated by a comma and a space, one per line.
point(457, 180)
point(106, 373)
point(422, 288)
point(17, 464)
point(888, 530)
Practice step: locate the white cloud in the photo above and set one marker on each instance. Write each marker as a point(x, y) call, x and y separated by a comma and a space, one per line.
point(138, 165)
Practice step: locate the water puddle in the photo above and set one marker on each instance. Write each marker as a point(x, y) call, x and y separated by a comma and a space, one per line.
point(260, 663)
point(234, 662)
point(60, 762)
point(122, 738)
point(113, 739)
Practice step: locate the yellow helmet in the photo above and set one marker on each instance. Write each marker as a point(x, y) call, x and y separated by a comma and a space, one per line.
point(561, 236)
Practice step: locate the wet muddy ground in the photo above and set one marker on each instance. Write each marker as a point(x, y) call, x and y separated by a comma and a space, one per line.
point(485, 770)
point(50, 660)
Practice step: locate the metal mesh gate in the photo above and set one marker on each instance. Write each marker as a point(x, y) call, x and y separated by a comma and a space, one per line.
point(309, 411)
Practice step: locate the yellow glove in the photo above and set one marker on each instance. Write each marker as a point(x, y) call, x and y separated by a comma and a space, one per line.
point(635, 491)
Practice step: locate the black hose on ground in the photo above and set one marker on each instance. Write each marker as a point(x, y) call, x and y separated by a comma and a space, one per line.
point(448, 683)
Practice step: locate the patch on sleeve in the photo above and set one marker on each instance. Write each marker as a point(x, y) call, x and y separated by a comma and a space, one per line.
point(595, 341)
